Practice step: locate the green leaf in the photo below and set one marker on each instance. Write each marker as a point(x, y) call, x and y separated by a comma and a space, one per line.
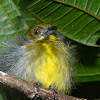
point(77, 24)
point(16, 1)
point(11, 21)
point(90, 6)
point(88, 67)
point(30, 20)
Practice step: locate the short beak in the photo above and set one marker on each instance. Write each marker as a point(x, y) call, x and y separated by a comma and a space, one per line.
point(51, 30)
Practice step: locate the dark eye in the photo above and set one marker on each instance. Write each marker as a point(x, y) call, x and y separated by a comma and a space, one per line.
point(36, 32)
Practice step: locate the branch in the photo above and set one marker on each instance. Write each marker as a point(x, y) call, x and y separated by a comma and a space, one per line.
point(30, 89)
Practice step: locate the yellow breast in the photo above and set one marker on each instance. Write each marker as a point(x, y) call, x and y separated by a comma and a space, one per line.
point(49, 72)
point(51, 66)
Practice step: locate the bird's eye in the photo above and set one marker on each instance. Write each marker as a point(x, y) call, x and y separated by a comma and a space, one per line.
point(36, 32)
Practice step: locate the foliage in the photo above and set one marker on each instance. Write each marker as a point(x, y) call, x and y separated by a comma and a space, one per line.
point(78, 20)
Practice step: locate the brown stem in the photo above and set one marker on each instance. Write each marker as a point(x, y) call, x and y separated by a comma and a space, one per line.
point(30, 89)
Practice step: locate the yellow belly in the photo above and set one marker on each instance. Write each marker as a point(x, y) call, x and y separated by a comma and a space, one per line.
point(51, 68)
point(49, 72)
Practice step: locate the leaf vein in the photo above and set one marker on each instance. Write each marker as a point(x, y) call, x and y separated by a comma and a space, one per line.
point(83, 27)
point(43, 7)
point(62, 15)
point(52, 11)
point(8, 18)
point(71, 21)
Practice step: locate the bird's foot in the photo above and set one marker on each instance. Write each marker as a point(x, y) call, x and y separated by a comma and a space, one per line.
point(37, 84)
point(54, 91)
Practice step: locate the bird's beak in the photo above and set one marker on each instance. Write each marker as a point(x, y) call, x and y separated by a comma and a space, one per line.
point(51, 30)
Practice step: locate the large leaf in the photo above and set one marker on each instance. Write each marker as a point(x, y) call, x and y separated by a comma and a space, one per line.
point(88, 67)
point(79, 25)
point(11, 21)
point(89, 6)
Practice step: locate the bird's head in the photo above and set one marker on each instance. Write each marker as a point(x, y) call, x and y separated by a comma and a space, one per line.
point(41, 32)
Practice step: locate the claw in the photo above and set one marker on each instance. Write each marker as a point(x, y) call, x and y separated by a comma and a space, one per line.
point(54, 91)
point(37, 84)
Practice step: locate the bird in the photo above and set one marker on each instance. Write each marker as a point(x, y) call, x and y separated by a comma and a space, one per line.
point(41, 55)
